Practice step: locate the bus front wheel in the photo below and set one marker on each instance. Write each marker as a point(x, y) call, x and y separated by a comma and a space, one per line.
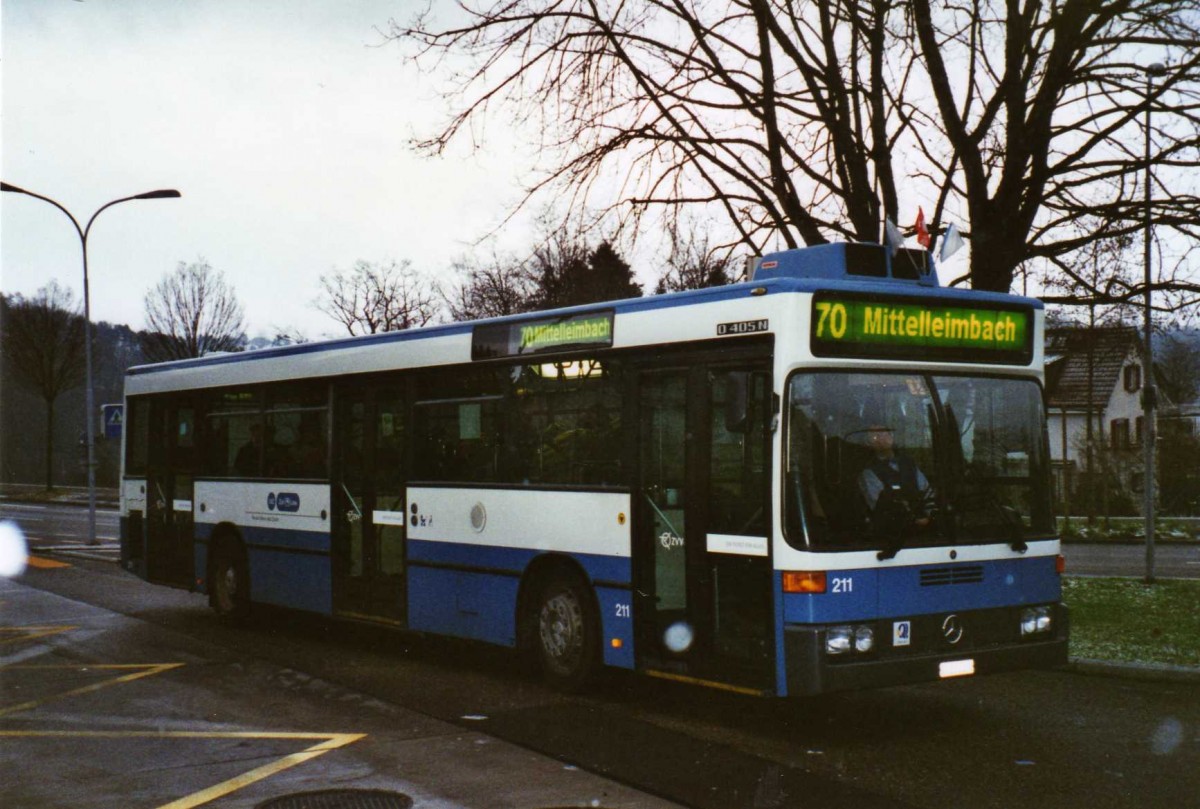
point(229, 583)
point(567, 633)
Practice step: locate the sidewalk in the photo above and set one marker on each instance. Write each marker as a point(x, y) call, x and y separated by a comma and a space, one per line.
point(101, 710)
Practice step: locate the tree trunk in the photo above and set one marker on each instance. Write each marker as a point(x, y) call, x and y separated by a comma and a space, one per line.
point(994, 256)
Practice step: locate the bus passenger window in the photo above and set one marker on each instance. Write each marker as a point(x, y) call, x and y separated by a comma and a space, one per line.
point(137, 427)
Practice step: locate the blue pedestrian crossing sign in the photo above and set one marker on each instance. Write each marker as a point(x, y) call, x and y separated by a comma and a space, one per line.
point(114, 419)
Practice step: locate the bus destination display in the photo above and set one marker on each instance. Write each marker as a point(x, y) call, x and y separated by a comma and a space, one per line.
point(846, 325)
point(593, 330)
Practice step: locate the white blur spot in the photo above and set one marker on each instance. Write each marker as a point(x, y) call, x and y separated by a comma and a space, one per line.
point(679, 636)
point(474, 717)
point(13, 554)
point(1167, 737)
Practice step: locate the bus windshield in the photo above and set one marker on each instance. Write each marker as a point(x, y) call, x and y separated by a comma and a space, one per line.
point(891, 460)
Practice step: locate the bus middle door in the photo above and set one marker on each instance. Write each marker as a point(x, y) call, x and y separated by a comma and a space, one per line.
point(701, 548)
point(369, 526)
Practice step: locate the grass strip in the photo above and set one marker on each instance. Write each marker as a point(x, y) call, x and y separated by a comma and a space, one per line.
point(1126, 620)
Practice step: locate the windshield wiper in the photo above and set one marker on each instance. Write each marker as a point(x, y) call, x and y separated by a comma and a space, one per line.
point(893, 549)
point(898, 514)
point(984, 500)
point(1016, 527)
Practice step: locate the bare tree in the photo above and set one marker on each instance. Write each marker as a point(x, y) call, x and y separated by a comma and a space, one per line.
point(1177, 367)
point(43, 340)
point(191, 312)
point(1040, 116)
point(672, 106)
point(695, 265)
point(560, 270)
point(798, 121)
point(500, 286)
point(371, 298)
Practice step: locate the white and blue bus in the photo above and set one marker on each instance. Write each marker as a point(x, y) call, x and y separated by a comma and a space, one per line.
point(833, 476)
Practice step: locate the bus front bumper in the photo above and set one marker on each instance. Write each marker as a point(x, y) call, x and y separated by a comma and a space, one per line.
point(810, 670)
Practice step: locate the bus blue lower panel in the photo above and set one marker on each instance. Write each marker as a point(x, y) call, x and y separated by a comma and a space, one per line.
point(854, 595)
point(476, 605)
point(287, 568)
point(470, 591)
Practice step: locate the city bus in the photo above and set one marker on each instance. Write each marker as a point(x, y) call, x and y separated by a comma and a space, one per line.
point(831, 476)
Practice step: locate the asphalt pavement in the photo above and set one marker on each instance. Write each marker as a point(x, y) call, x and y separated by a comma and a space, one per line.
point(99, 709)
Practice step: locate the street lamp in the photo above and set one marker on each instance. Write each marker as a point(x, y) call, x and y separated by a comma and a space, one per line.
point(168, 193)
point(1149, 390)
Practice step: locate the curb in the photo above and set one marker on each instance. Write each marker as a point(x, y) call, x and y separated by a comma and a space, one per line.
point(1159, 672)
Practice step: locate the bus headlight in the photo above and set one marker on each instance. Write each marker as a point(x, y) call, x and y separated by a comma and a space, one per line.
point(1035, 621)
point(840, 640)
point(864, 639)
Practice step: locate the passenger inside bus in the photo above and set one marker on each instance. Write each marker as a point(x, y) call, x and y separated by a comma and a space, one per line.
point(246, 462)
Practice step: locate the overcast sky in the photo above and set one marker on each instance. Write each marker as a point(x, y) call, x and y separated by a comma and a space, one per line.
point(284, 124)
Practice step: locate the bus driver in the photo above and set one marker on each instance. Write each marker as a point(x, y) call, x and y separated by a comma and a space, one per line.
point(897, 474)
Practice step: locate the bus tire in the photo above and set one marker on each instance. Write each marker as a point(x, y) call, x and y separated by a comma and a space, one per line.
point(566, 632)
point(229, 582)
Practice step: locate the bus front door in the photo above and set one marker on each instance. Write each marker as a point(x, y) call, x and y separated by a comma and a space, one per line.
point(171, 469)
point(369, 528)
point(701, 552)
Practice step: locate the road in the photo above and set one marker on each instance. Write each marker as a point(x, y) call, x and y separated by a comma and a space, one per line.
point(1034, 739)
point(64, 528)
point(1171, 561)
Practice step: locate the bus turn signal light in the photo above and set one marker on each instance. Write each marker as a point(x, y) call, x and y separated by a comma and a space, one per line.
point(795, 581)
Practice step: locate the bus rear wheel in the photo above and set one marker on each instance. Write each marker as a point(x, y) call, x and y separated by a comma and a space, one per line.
point(567, 633)
point(229, 583)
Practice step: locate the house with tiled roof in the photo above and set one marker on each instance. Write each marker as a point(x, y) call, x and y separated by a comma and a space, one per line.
point(1094, 373)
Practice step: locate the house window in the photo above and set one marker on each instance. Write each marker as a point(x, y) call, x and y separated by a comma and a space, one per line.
point(1119, 432)
point(1133, 378)
point(1137, 430)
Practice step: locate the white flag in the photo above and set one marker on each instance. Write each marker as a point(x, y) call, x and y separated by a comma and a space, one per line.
point(952, 242)
point(895, 239)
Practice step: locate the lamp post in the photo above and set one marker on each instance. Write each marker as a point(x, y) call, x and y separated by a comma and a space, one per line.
point(1149, 389)
point(87, 319)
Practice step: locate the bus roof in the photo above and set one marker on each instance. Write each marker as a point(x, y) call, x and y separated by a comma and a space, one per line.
point(730, 292)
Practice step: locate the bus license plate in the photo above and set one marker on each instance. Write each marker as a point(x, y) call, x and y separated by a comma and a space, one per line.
point(956, 668)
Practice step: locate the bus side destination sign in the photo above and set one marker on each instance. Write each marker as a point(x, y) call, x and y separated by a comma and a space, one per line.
point(544, 335)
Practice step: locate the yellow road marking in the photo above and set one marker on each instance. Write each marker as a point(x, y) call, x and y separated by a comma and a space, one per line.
point(327, 742)
point(331, 742)
point(12, 634)
point(45, 564)
point(680, 678)
point(148, 670)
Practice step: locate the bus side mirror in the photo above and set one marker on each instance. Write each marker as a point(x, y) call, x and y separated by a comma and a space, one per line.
point(737, 401)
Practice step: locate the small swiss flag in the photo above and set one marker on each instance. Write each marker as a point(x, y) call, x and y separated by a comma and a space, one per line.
point(923, 237)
